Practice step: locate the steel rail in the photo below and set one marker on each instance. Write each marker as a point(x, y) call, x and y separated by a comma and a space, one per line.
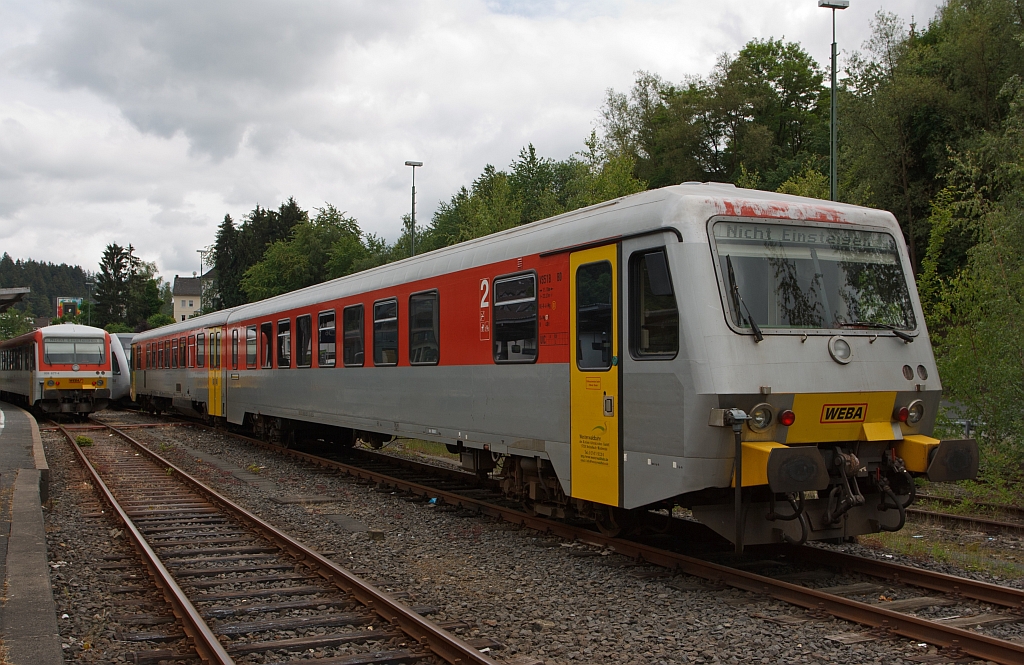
point(982, 523)
point(441, 642)
point(927, 579)
point(975, 644)
point(206, 644)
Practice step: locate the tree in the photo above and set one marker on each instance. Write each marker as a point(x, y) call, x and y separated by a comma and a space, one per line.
point(14, 322)
point(226, 261)
point(975, 311)
point(323, 248)
point(112, 285)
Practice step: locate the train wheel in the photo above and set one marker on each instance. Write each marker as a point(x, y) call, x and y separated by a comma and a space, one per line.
point(613, 522)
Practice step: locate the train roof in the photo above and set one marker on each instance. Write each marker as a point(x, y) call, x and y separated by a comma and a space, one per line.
point(683, 208)
point(60, 330)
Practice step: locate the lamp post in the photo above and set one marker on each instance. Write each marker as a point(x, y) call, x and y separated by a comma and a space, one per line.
point(833, 152)
point(412, 225)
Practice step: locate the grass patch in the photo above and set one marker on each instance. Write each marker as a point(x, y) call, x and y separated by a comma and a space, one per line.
point(972, 555)
point(428, 448)
point(83, 440)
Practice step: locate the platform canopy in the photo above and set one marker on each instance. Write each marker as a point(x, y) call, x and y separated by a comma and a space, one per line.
point(9, 297)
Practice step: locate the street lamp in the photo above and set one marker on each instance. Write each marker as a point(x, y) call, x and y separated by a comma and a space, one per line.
point(833, 170)
point(412, 229)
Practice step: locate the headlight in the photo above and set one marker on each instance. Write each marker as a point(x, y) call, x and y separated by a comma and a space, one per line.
point(915, 412)
point(761, 417)
point(840, 350)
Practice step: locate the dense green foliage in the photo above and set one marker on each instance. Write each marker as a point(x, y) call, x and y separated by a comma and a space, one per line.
point(48, 281)
point(127, 289)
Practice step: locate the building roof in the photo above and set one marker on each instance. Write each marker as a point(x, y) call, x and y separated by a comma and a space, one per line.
point(9, 297)
point(187, 286)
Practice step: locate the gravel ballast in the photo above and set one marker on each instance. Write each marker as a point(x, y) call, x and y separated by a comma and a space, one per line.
point(544, 599)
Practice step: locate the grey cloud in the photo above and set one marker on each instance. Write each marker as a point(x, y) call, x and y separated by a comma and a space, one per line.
point(211, 70)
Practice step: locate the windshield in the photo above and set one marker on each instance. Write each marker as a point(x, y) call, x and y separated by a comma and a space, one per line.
point(71, 351)
point(811, 277)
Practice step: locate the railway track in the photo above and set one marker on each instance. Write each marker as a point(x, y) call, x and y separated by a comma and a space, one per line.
point(990, 604)
point(234, 583)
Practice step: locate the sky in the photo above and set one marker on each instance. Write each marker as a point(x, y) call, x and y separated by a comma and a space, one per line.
point(147, 122)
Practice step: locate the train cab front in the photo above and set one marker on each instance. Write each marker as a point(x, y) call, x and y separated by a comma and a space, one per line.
point(828, 389)
point(832, 465)
point(74, 374)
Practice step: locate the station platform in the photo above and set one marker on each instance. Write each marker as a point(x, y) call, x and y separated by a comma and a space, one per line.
point(28, 620)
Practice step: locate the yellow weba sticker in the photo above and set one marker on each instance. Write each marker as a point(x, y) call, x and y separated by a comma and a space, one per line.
point(843, 413)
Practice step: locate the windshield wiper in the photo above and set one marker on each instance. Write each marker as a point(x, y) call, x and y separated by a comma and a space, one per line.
point(879, 326)
point(737, 297)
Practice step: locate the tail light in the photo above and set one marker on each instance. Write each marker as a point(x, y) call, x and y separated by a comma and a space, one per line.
point(787, 418)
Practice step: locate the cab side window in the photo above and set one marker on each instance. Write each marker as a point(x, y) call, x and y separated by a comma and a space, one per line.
point(653, 314)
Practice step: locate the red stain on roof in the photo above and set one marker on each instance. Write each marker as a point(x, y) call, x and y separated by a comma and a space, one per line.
point(777, 210)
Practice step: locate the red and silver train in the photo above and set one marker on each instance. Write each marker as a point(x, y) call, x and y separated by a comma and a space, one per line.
point(627, 356)
point(60, 369)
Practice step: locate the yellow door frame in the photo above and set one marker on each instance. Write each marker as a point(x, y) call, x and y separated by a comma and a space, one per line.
point(595, 440)
point(215, 392)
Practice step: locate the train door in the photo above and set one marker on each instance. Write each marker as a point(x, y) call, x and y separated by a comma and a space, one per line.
point(215, 395)
point(594, 374)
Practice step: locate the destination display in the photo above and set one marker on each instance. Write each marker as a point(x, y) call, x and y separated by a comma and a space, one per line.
point(784, 234)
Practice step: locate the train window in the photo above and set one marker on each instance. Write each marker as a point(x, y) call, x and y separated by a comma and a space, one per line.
point(215, 350)
point(594, 316)
point(149, 356)
point(182, 352)
point(653, 313)
point(304, 341)
point(167, 353)
point(424, 348)
point(385, 332)
point(234, 349)
point(250, 347)
point(284, 343)
point(160, 355)
point(201, 350)
point(352, 340)
point(72, 350)
point(174, 353)
point(325, 343)
point(515, 319)
point(267, 340)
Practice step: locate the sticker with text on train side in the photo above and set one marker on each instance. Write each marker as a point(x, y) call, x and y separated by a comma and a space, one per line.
point(843, 413)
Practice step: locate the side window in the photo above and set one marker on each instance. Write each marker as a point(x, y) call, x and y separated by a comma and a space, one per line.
point(653, 314)
point(352, 341)
point(424, 348)
point(149, 355)
point(182, 352)
point(191, 350)
point(515, 319)
point(115, 366)
point(267, 340)
point(325, 341)
point(284, 343)
point(234, 349)
point(201, 350)
point(385, 332)
point(594, 316)
point(250, 347)
point(174, 353)
point(304, 341)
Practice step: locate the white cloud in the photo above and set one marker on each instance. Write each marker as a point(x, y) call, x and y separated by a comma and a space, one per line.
point(147, 122)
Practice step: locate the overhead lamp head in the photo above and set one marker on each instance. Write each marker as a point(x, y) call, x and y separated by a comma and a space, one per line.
point(834, 4)
point(414, 163)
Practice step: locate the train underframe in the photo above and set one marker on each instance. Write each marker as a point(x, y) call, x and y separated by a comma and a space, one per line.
point(868, 489)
